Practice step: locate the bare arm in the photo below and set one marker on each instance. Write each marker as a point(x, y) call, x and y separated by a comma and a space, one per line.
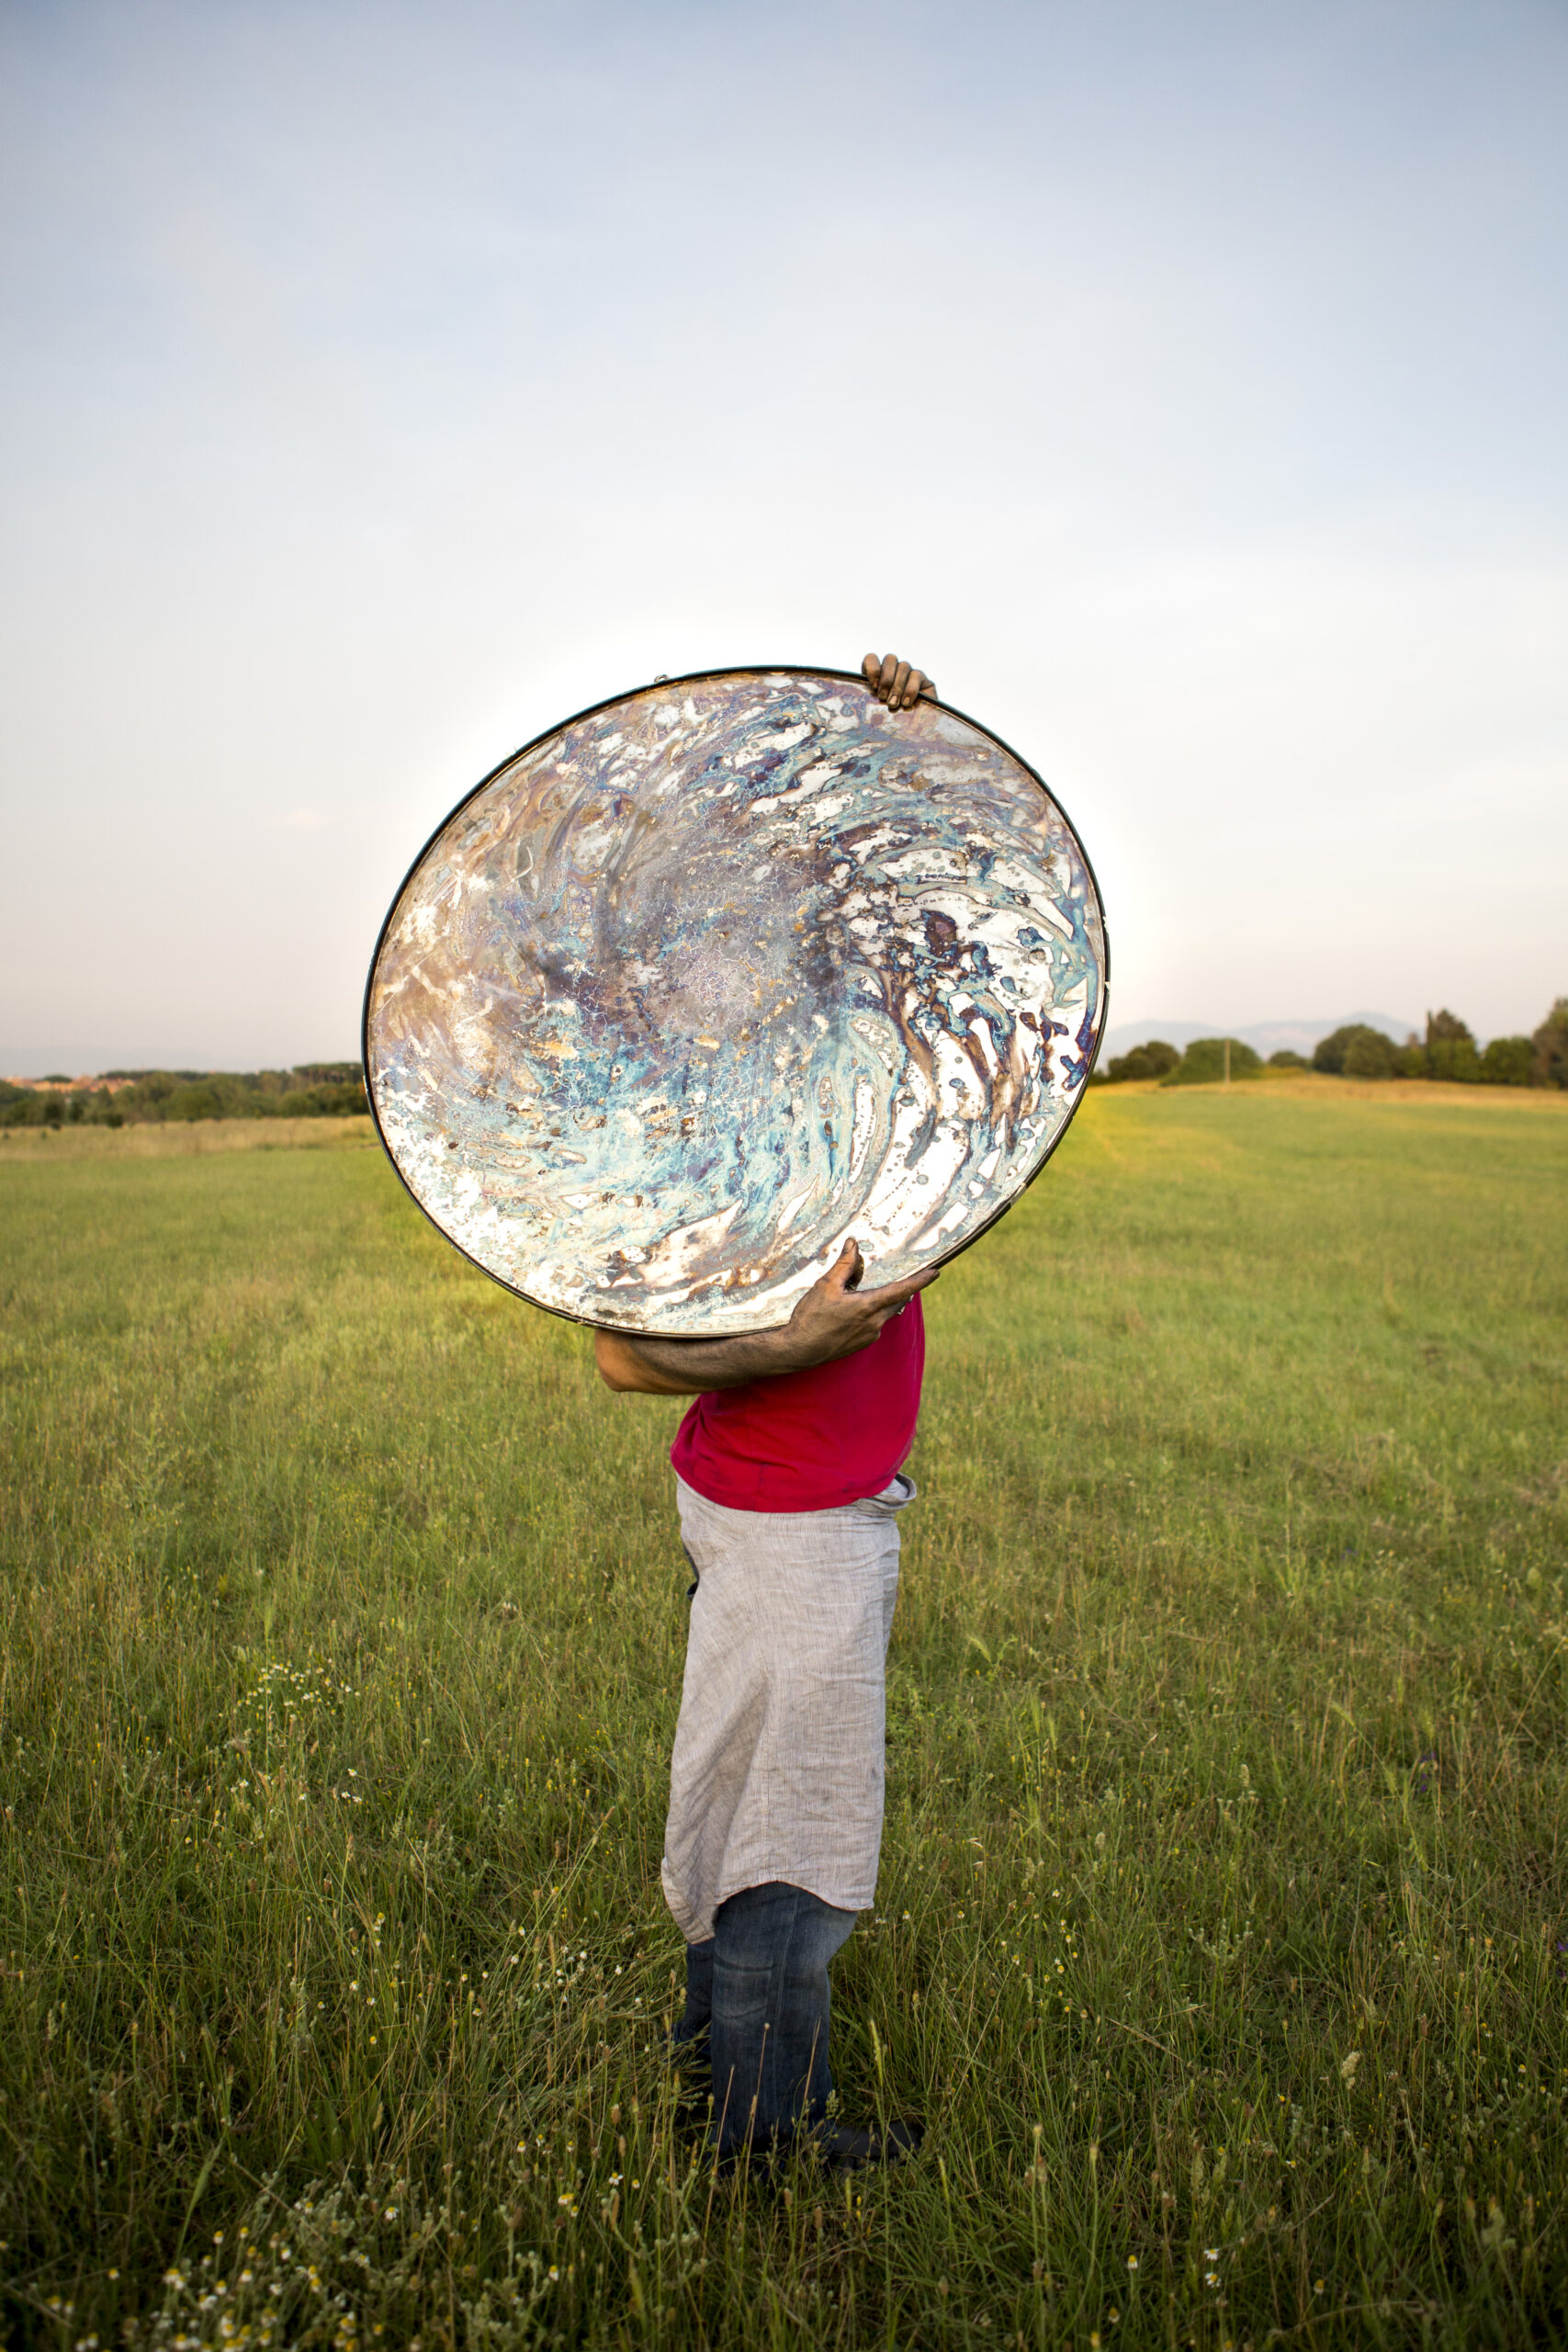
point(835, 1318)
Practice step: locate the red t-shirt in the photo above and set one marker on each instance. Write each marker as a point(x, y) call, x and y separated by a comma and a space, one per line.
point(809, 1440)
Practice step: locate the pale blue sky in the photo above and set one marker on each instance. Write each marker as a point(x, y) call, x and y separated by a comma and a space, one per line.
point(1184, 386)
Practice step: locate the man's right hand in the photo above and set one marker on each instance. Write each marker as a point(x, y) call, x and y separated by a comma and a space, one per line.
point(835, 1318)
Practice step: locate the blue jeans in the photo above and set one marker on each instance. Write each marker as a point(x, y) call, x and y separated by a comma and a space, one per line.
point(758, 1991)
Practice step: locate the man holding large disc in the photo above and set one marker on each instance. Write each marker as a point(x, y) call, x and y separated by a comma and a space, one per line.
point(789, 1482)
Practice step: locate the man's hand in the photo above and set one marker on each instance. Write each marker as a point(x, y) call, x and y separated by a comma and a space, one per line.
point(896, 683)
point(835, 1318)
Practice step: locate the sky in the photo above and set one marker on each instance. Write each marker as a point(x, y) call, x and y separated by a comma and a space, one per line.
point(1183, 388)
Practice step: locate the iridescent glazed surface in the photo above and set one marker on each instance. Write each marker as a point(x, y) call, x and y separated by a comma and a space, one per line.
point(721, 973)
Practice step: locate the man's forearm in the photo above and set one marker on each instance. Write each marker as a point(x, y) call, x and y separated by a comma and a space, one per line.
point(835, 1318)
point(685, 1367)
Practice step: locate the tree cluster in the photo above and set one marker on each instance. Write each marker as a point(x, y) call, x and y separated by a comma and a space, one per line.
point(1203, 1064)
point(140, 1097)
point(1156, 1060)
point(1448, 1051)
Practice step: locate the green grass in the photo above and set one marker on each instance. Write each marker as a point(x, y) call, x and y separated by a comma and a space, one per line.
point(1222, 1925)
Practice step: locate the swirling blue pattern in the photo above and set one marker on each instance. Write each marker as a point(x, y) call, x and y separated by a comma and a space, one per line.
point(721, 973)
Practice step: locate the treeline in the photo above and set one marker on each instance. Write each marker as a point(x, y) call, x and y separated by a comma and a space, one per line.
point(140, 1097)
point(1447, 1051)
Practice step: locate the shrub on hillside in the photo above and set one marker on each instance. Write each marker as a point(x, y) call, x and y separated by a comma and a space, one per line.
point(1371, 1055)
point(1152, 1060)
point(1451, 1051)
point(1203, 1063)
point(323, 1102)
point(1287, 1058)
point(1374, 1052)
point(1506, 1062)
point(192, 1102)
point(1550, 1067)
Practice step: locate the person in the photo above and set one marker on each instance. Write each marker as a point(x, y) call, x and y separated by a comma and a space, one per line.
point(789, 1483)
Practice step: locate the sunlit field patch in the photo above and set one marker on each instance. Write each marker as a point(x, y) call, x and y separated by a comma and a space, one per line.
point(1220, 1941)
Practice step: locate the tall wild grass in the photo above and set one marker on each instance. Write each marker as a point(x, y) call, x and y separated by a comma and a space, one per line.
point(1222, 1936)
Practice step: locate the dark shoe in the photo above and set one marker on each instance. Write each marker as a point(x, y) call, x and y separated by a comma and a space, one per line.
point(843, 2150)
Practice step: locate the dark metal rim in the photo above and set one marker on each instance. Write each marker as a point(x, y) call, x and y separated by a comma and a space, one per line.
point(692, 678)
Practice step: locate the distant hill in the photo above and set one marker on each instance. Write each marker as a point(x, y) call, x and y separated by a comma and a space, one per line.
point(1266, 1036)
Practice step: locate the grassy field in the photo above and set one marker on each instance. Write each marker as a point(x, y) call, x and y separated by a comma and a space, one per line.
point(180, 1140)
point(1224, 1914)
